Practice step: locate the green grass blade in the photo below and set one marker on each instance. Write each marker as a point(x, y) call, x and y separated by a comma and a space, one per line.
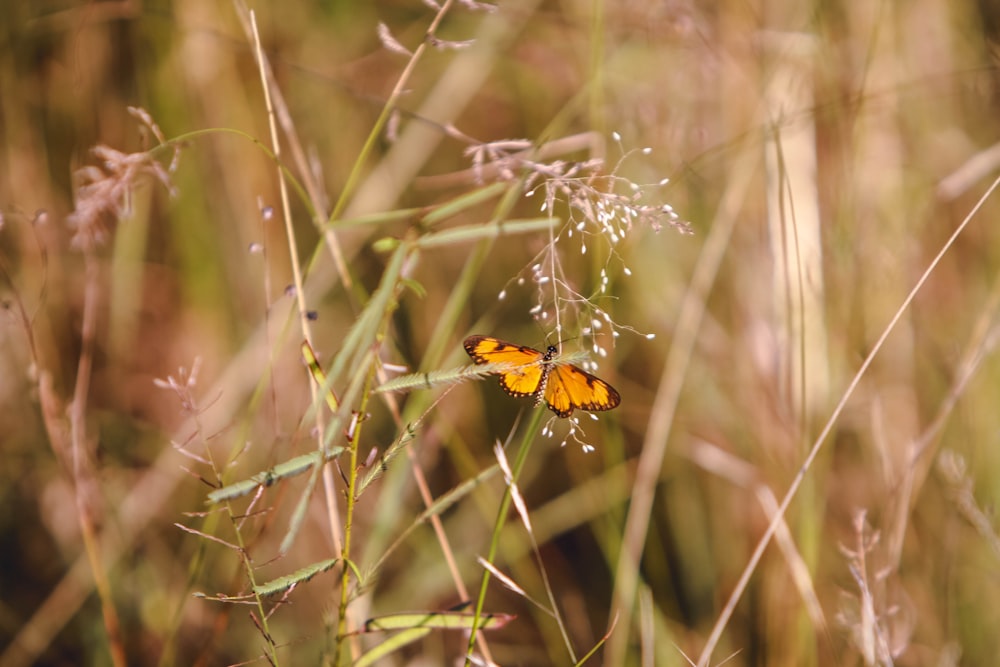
point(289, 468)
point(282, 584)
point(391, 645)
point(439, 620)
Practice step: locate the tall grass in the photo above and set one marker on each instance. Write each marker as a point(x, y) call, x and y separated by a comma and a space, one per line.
point(241, 249)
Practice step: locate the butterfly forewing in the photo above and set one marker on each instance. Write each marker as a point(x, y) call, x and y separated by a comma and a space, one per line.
point(526, 373)
point(569, 387)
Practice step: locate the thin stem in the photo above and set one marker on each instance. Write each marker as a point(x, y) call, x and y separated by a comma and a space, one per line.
point(353, 438)
point(758, 553)
point(522, 455)
point(82, 474)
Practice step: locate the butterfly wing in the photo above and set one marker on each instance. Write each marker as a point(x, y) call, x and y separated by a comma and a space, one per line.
point(526, 372)
point(569, 387)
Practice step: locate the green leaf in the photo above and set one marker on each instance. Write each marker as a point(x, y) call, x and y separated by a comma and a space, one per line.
point(439, 620)
point(290, 468)
point(282, 584)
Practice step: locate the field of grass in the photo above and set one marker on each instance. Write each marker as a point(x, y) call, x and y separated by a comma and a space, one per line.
point(770, 226)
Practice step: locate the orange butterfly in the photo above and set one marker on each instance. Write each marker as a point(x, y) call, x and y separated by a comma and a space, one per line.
point(563, 387)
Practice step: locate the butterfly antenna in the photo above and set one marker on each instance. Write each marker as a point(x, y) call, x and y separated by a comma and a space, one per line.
point(565, 340)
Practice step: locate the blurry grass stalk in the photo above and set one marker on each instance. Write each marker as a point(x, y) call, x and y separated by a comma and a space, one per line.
point(102, 201)
point(83, 456)
point(647, 627)
point(152, 491)
point(279, 109)
point(527, 439)
point(820, 440)
point(797, 289)
point(954, 470)
point(743, 475)
point(794, 228)
point(661, 421)
point(921, 452)
point(869, 623)
point(522, 510)
point(983, 340)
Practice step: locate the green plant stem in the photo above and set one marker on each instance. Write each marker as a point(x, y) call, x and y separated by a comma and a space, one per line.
point(530, 434)
point(353, 438)
point(352, 479)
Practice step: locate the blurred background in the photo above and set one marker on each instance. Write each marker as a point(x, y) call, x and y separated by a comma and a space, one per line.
point(822, 153)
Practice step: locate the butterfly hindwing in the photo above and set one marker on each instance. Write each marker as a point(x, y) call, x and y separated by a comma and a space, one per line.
point(522, 381)
point(564, 387)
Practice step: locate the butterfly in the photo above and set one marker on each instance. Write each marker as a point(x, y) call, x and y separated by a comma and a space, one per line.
point(563, 387)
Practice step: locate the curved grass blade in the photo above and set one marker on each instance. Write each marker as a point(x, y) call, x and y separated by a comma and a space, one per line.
point(391, 645)
point(439, 506)
point(437, 620)
point(282, 584)
point(419, 625)
point(442, 377)
point(490, 230)
point(290, 468)
point(309, 355)
point(379, 468)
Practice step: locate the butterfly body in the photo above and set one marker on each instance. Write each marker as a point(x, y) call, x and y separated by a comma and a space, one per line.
point(563, 387)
